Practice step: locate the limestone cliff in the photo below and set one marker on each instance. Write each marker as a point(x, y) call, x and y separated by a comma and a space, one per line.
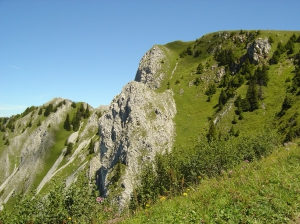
point(258, 50)
point(138, 124)
point(149, 68)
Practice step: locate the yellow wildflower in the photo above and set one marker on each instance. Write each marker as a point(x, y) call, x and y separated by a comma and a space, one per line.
point(163, 198)
point(184, 194)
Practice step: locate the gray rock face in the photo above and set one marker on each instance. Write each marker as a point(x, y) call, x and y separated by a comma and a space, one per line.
point(259, 49)
point(149, 66)
point(138, 124)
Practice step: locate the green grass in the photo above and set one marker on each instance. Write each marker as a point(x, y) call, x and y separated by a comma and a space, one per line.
point(267, 191)
point(60, 136)
point(193, 112)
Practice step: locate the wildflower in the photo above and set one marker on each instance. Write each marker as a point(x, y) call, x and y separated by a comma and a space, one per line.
point(147, 205)
point(163, 198)
point(246, 161)
point(69, 218)
point(187, 189)
point(99, 199)
point(184, 194)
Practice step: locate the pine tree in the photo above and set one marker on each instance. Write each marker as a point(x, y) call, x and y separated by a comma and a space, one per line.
point(212, 132)
point(40, 111)
point(67, 124)
point(73, 104)
point(91, 146)
point(252, 95)
point(200, 69)
point(222, 98)
point(48, 110)
point(76, 122)
point(87, 112)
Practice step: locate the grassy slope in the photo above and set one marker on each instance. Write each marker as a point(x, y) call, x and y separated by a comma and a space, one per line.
point(194, 112)
point(267, 191)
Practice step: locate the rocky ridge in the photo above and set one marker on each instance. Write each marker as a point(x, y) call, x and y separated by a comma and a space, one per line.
point(30, 148)
point(138, 124)
point(149, 66)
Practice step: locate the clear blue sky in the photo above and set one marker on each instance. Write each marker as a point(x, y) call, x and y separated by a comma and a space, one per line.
point(88, 50)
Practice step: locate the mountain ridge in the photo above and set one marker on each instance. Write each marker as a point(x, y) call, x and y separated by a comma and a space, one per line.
point(178, 87)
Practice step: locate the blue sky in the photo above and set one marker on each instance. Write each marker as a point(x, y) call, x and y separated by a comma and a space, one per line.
point(88, 50)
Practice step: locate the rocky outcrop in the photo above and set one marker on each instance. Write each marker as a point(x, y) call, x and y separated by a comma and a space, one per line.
point(150, 64)
point(139, 124)
point(259, 50)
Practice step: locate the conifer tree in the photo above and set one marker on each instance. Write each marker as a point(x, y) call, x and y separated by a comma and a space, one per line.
point(252, 95)
point(222, 98)
point(212, 132)
point(40, 111)
point(67, 124)
point(200, 69)
point(87, 112)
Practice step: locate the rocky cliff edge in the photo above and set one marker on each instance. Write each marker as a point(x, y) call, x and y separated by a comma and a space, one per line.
point(138, 124)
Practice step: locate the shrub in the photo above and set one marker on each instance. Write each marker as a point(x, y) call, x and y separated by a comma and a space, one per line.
point(174, 171)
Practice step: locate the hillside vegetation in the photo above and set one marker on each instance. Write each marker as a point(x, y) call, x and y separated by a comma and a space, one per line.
point(237, 100)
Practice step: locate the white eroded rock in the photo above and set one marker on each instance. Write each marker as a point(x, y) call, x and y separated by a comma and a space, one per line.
point(259, 49)
point(150, 64)
point(139, 124)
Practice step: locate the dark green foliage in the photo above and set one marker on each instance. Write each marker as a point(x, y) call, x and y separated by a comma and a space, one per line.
point(117, 173)
point(38, 123)
point(197, 53)
point(28, 110)
point(177, 82)
point(80, 113)
point(234, 121)
point(91, 147)
point(290, 46)
point(252, 95)
point(189, 51)
point(40, 111)
point(69, 148)
point(293, 38)
point(211, 90)
point(75, 204)
point(48, 110)
point(222, 98)
point(67, 124)
point(247, 68)
point(29, 124)
point(271, 41)
point(73, 104)
point(173, 172)
point(287, 103)
point(7, 142)
point(261, 75)
point(197, 82)
point(225, 57)
point(200, 69)
point(212, 132)
point(86, 112)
